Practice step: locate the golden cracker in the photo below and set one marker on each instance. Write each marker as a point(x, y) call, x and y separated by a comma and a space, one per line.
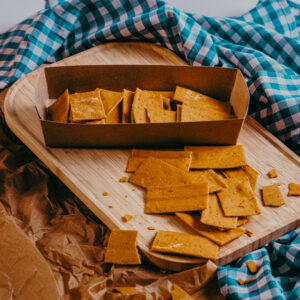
point(178, 112)
point(155, 172)
point(115, 116)
point(217, 157)
point(184, 244)
point(272, 173)
point(272, 195)
point(189, 197)
point(126, 106)
point(212, 233)
point(121, 248)
point(166, 102)
point(186, 96)
point(179, 159)
point(141, 101)
point(215, 182)
point(194, 114)
point(110, 99)
point(214, 216)
point(86, 106)
point(241, 172)
point(238, 199)
point(160, 115)
point(294, 189)
point(59, 110)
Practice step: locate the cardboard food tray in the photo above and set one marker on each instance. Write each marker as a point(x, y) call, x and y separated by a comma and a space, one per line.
point(90, 172)
point(221, 83)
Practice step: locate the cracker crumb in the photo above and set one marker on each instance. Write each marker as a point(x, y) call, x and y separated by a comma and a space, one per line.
point(252, 267)
point(151, 228)
point(272, 173)
point(110, 206)
point(240, 281)
point(249, 233)
point(89, 272)
point(252, 291)
point(127, 218)
point(248, 281)
point(124, 179)
point(105, 193)
point(126, 196)
point(294, 189)
point(133, 190)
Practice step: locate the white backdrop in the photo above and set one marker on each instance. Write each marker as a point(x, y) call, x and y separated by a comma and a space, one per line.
point(14, 11)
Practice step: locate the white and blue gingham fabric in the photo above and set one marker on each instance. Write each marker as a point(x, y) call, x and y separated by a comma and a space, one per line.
point(264, 44)
point(277, 278)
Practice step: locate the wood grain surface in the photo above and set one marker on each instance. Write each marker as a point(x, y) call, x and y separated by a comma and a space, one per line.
point(90, 172)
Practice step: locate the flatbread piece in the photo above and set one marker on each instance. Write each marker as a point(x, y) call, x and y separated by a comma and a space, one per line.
point(184, 244)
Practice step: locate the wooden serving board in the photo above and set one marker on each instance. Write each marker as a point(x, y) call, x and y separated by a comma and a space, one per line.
point(90, 172)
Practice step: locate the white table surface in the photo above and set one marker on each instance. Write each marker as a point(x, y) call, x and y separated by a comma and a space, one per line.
point(14, 11)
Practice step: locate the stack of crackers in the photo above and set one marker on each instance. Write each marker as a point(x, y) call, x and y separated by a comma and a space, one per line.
point(210, 188)
point(103, 106)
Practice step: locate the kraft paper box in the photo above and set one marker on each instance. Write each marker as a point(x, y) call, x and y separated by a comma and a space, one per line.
point(220, 83)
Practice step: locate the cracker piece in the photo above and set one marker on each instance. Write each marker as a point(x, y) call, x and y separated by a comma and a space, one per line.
point(155, 172)
point(189, 197)
point(272, 173)
point(115, 116)
point(141, 101)
point(242, 221)
point(166, 102)
point(121, 248)
point(195, 113)
point(128, 290)
point(126, 218)
point(215, 182)
point(214, 234)
point(187, 96)
point(214, 216)
point(294, 189)
point(110, 99)
point(123, 179)
point(178, 113)
point(238, 199)
point(240, 281)
point(160, 115)
point(59, 110)
point(179, 294)
point(272, 195)
point(248, 281)
point(184, 244)
point(126, 105)
point(252, 266)
point(241, 172)
point(217, 157)
point(86, 106)
point(179, 159)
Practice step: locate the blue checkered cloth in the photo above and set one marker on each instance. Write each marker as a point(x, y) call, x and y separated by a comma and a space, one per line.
point(264, 44)
point(277, 278)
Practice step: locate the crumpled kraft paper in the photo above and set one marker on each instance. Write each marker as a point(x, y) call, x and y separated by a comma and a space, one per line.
point(72, 240)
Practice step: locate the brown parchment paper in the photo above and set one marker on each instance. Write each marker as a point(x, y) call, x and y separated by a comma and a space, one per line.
point(72, 240)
